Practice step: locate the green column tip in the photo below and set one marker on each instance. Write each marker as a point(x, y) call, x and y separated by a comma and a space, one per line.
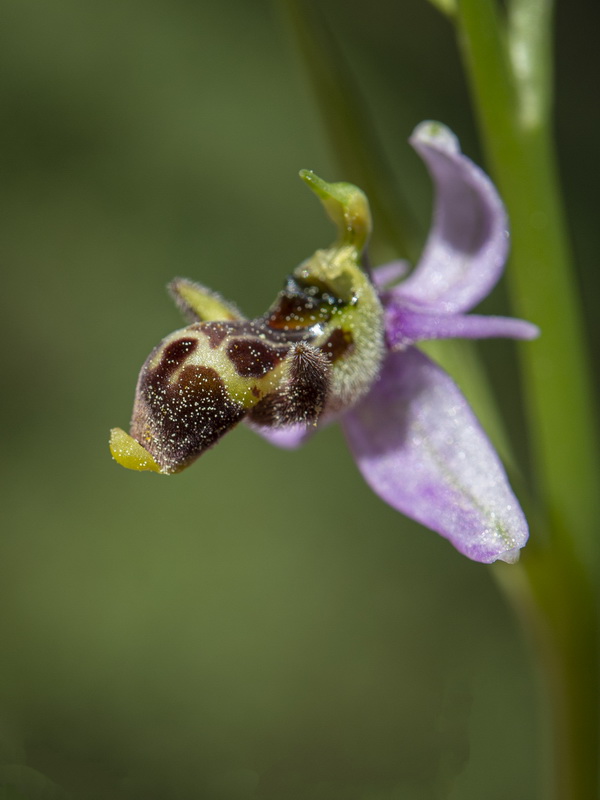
point(346, 205)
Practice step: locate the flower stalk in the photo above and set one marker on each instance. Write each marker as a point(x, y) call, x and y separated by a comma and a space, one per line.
point(350, 129)
point(541, 275)
point(509, 67)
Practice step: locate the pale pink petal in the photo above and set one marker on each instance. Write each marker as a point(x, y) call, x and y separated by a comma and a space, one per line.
point(386, 274)
point(405, 326)
point(421, 449)
point(468, 242)
point(288, 438)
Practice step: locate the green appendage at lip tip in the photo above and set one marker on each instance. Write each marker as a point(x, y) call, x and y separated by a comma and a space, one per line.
point(130, 454)
point(346, 205)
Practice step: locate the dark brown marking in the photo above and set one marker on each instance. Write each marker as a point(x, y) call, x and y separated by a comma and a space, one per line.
point(253, 358)
point(177, 421)
point(176, 351)
point(173, 355)
point(338, 344)
point(217, 332)
point(302, 397)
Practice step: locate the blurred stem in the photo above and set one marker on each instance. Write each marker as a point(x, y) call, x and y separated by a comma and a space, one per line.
point(541, 277)
point(554, 601)
point(348, 122)
point(445, 6)
point(510, 73)
point(530, 53)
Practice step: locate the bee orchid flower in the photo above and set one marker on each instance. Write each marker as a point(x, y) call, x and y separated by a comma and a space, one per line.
point(340, 343)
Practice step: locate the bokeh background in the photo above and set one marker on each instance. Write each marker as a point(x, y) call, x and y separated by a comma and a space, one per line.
point(261, 626)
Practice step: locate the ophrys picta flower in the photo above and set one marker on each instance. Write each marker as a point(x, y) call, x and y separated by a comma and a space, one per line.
point(339, 344)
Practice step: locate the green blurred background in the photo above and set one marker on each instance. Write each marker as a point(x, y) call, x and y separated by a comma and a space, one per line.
point(261, 626)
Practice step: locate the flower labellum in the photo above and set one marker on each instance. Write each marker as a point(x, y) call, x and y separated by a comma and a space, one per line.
point(338, 344)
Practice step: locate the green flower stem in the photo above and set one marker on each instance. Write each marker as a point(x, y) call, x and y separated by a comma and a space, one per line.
point(509, 69)
point(542, 282)
point(552, 598)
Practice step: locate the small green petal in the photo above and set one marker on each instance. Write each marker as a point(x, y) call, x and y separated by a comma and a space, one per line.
point(129, 453)
point(200, 304)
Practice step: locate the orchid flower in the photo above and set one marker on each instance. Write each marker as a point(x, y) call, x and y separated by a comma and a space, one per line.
point(340, 344)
